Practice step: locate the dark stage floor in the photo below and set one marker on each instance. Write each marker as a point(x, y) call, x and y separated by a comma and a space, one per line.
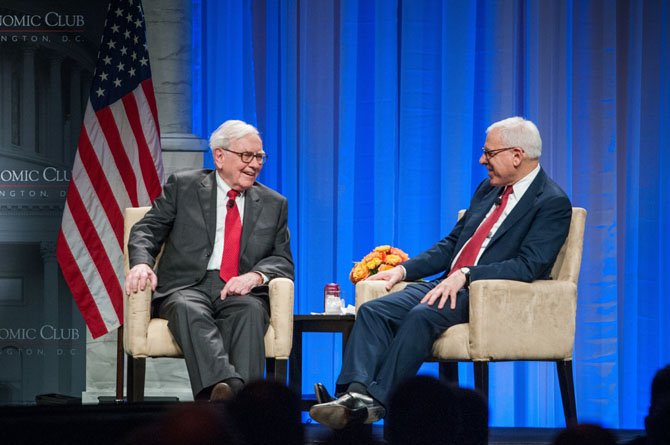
point(315, 434)
point(109, 423)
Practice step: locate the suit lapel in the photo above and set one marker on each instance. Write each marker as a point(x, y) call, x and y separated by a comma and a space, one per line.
point(207, 198)
point(523, 206)
point(252, 209)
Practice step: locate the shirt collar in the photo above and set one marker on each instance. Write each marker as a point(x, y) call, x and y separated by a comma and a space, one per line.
point(224, 187)
point(520, 187)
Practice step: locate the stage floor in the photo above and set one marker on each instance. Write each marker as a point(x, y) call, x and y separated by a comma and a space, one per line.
point(107, 424)
point(316, 434)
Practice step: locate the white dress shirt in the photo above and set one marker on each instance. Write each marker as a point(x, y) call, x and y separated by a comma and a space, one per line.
point(222, 190)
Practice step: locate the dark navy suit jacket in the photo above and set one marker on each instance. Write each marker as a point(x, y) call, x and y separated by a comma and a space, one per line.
point(525, 246)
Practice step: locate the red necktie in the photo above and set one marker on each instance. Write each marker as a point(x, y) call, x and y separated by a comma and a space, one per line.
point(474, 245)
point(230, 260)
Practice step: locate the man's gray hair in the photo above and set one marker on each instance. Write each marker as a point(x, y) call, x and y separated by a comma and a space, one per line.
point(229, 131)
point(519, 132)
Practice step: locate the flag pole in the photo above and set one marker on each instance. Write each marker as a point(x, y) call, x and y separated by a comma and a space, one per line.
point(119, 364)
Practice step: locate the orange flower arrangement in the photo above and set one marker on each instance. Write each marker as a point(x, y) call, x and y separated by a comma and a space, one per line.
point(381, 258)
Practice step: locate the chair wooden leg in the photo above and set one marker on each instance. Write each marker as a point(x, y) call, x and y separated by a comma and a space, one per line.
point(269, 368)
point(276, 369)
point(449, 372)
point(566, 382)
point(482, 377)
point(281, 370)
point(136, 373)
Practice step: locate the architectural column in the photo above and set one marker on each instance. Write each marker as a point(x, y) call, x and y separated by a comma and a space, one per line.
point(50, 307)
point(169, 41)
point(75, 112)
point(5, 98)
point(28, 128)
point(54, 148)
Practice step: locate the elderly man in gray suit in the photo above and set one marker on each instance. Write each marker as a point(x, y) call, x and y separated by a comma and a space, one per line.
point(224, 236)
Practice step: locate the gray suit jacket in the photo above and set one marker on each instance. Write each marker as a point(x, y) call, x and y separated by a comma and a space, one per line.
point(183, 218)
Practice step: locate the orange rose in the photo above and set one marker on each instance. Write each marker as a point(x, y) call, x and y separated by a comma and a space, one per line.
point(384, 267)
point(382, 248)
point(373, 263)
point(359, 272)
point(393, 260)
point(400, 253)
point(373, 255)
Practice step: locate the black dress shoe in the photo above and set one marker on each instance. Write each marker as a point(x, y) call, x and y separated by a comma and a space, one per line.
point(350, 409)
point(221, 392)
point(322, 394)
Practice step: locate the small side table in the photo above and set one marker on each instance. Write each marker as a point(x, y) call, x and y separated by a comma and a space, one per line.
point(313, 323)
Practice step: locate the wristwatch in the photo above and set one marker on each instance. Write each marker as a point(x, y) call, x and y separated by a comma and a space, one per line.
point(466, 272)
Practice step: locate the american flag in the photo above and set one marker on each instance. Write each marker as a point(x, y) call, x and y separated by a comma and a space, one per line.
point(118, 164)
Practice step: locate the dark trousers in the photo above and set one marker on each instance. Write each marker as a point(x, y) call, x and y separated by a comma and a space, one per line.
point(219, 339)
point(393, 336)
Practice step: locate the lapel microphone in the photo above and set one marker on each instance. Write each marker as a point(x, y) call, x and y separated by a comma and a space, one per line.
point(498, 200)
point(231, 203)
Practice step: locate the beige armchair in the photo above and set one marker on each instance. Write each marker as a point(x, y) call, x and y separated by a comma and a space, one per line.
point(512, 320)
point(144, 336)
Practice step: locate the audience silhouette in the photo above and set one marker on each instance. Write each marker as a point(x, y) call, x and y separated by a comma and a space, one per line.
point(266, 412)
point(584, 434)
point(192, 423)
point(657, 422)
point(424, 410)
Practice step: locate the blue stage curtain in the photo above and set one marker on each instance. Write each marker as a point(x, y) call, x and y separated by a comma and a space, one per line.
point(374, 112)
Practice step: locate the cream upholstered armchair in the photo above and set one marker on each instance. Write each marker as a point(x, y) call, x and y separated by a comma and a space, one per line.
point(512, 320)
point(144, 336)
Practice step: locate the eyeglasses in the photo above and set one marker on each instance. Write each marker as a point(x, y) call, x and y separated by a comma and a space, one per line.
point(492, 153)
point(248, 156)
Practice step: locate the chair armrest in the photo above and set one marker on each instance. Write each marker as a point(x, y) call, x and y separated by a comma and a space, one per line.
point(281, 316)
point(370, 290)
point(512, 320)
point(136, 315)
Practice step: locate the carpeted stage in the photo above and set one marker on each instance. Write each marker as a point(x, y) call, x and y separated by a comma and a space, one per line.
point(109, 423)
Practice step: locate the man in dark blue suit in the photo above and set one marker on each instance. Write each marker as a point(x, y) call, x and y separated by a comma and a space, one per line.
point(513, 229)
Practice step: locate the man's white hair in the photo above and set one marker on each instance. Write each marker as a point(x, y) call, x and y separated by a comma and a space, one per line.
point(519, 132)
point(229, 131)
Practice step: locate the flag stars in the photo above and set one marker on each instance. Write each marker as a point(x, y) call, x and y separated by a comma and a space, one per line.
point(115, 28)
point(136, 40)
point(117, 82)
point(111, 44)
point(124, 51)
point(100, 92)
point(120, 66)
point(131, 72)
point(126, 34)
point(107, 60)
point(143, 61)
point(138, 23)
point(129, 17)
point(103, 76)
point(119, 12)
point(133, 55)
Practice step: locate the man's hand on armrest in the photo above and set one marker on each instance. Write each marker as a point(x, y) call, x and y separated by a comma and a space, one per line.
point(241, 285)
point(391, 276)
point(138, 277)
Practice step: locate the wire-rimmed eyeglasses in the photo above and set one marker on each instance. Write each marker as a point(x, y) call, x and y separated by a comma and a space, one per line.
point(492, 153)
